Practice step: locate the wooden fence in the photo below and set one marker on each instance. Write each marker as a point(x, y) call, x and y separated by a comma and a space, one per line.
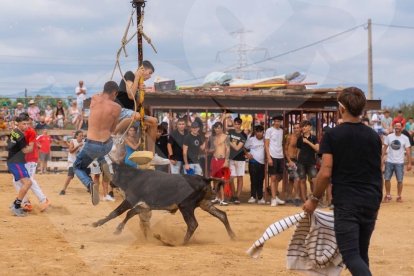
point(59, 153)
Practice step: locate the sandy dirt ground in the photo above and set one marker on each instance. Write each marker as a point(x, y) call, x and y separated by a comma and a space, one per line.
point(61, 240)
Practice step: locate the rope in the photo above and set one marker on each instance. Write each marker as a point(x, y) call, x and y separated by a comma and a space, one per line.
point(124, 42)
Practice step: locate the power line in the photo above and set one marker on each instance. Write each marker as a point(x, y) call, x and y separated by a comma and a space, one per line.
point(294, 50)
point(394, 26)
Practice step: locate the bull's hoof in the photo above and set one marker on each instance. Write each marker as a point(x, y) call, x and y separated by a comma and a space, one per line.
point(164, 242)
point(96, 224)
point(119, 229)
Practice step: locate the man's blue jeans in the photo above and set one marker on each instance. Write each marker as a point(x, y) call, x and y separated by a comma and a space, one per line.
point(91, 150)
point(353, 230)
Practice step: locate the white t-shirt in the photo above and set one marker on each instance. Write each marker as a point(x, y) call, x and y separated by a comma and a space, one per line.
point(80, 97)
point(275, 137)
point(256, 148)
point(72, 156)
point(396, 147)
point(376, 120)
point(210, 123)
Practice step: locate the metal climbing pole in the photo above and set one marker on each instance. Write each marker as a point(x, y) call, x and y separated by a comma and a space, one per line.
point(139, 5)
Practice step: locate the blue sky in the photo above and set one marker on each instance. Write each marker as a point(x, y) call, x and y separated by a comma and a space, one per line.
point(45, 42)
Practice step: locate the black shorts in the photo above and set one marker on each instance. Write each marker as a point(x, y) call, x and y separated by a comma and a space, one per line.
point(306, 170)
point(278, 166)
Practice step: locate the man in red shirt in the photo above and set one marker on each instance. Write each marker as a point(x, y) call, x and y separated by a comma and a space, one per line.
point(31, 164)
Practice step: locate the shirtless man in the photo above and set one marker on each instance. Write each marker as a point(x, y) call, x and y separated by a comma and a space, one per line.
point(291, 153)
point(104, 114)
point(220, 148)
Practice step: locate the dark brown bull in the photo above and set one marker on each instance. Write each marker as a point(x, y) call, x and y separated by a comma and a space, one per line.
point(147, 190)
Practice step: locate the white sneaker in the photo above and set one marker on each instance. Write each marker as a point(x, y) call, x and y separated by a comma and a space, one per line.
point(279, 201)
point(223, 203)
point(108, 198)
point(157, 160)
point(215, 201)
point(273, 202)
point(261, 202)
point(251, 200)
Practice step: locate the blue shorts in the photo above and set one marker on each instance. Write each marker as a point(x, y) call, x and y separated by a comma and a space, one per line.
point(390, 168)
point(18, 170)
point(127, 113)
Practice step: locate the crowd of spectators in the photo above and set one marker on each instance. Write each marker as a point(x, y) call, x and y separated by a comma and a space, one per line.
point(58, 116)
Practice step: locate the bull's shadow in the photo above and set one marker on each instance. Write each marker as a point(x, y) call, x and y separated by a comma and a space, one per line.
point(147, 190)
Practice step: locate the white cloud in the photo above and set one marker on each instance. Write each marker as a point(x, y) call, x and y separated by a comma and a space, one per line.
point(62, 40)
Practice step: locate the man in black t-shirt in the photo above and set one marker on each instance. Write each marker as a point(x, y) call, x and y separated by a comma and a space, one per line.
point(175, 147)
point(237, 159)
point(351, 156)
point(161, 146)
point(193, 143)
point(308, 146)
point(127, 91)
point(17, 148)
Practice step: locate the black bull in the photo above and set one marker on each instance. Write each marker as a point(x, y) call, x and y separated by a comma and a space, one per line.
point(147, 190)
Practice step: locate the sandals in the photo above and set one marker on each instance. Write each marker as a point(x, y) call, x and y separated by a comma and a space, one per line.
point(387, 198)
point(399, 199)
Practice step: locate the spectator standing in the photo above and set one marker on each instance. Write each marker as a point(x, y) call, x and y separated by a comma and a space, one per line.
point(351, 157)
point(80, 96)
point(291, 151)
point(45, 142)
point(308, 146)
point(175, 147)
point(211, 121)
point(237, 159)
point(219, 164)
point(161, 145)
point(386, 123)
point(376, 122)
point(192, 144)
point(75, 145)
point(275, 157)
point(395, 145)
point(256, 155)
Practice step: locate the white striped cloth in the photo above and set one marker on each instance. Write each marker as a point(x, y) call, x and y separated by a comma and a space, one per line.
point(313, 245)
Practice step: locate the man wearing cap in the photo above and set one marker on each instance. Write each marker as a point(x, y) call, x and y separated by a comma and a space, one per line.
point(193, 143)
point(275, 157)
point(102, 122)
